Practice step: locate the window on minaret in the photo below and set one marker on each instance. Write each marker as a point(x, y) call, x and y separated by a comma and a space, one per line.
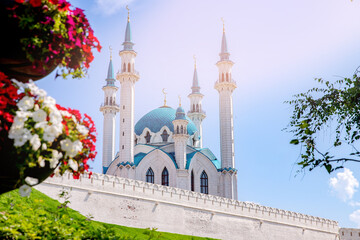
point(223, 77)
point(227, 77)
point(204, 183)
point(106, 102)
point(197, 107)
point(110, 100)
point(177, 130)
point(124, 68)
point(182, 130)
point(165, 136)
point(129, 67)
point(147, 137)
point(192, 181)
point(165, 177)
point(150, 176)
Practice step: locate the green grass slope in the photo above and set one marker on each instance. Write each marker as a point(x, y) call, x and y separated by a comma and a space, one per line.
point(41, 217)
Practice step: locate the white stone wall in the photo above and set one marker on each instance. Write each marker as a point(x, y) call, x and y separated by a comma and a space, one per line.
point(349, 233)
point(139, 204)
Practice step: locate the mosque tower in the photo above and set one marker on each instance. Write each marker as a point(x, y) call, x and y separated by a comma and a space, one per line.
point(127, 78)
point(109, 109)
point(196, 114)
point(180, 138)
point(225, 85)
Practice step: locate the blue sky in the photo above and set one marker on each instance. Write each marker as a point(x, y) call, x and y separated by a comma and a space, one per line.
point(278, 47)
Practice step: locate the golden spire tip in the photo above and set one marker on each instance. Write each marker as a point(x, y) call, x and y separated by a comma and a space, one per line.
point(194, 60)
point(163, 91)
point(110, 49)
point(128, 13)
point(179, 101)
point(222, 19)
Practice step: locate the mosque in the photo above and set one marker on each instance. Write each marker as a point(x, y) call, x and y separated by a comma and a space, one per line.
point(165, 146)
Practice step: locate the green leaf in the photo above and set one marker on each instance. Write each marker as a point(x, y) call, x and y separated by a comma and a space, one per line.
point(294, 141)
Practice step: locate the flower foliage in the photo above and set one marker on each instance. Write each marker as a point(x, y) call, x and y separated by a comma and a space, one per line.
point(59, 35)
point(43, 132)
point(334, 109)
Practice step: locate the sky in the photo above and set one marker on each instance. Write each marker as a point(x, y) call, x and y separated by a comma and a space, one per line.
point(278, 48)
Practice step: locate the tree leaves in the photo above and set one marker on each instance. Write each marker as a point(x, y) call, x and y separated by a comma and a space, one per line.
point(333, 108)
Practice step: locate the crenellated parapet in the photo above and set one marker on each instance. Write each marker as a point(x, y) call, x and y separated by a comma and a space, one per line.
point(143, 191)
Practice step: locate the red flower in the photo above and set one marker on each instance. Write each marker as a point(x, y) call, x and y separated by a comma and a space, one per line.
point(35, 3)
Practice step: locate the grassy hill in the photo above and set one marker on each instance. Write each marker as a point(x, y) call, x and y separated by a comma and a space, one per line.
point(41, 217)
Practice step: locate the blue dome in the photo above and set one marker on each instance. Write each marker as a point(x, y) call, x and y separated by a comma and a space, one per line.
point(180, 113)
point(159, 117)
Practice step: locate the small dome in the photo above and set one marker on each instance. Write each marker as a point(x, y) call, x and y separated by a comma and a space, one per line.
point(159, 117)
point(180, 114)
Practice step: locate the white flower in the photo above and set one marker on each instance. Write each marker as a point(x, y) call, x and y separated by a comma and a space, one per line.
point(36, 107)
point(19, 84)
point(25, 190)
point(73, 165)
point(31, 181)
point(41, 124)
point(56, 156)
point(41, 161)
point(35, 142)
point(55, 117)
point(82, 129)
point(65, 113)
point(39, 115)
point(49, 101)
point(20, 136)
point(20, 119)
point(26, 103)
point(43, 146)
point(52, 132)
point(71, 148)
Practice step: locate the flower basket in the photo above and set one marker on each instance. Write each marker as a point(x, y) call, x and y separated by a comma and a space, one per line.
point(40, 35)
point(39, 138)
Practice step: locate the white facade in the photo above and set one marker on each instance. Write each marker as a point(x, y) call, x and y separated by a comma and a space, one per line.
point(165, 146)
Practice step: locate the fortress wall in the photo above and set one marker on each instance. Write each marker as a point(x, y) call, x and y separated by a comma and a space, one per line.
point(139, 204)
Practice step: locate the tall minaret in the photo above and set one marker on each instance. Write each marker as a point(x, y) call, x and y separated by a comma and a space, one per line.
point(180, 137)
point(196, 114)
point(127, 78)
point(225, 86)
point(109, 108)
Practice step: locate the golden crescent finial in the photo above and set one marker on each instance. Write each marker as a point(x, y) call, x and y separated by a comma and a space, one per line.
point(179, 101)
point(127, 7)
point(110, 49)
point(194, 60)
point(222, 19)
point(163, 91)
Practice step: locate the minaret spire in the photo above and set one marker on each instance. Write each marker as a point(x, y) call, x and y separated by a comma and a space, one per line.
point(225, 86)
point(109, 108)
point(196, 114)
point(127, 78)
point(128, 45)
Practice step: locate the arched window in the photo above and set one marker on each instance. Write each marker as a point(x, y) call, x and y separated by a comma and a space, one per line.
point(197, 107)
point(110, 100)
point(182, 130)
point(147, 137)
point(150, 176)
point(204, 183)
point(194, 107)
point(124, 68)
point(165, 177)
point(192, 181)
point(165, 136)
point(177, 130)
point(107, 100)
point(223, 77)
point(129, 67)
point(227, 77)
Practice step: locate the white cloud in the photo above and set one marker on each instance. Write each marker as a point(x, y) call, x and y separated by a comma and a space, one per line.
point(355, 217)
point(109, 7)
point(354, 204)
point(344, 185)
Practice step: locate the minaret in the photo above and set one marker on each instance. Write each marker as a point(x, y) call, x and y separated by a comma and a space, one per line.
point(196, 114)
point(127, 78)
point(225, 86)
point(180, 137)
point(109, 108)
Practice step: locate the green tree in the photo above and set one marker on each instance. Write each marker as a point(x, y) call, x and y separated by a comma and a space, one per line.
point(334, 110)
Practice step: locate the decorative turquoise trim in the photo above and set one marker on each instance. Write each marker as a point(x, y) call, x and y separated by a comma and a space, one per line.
point(207, 153)
point(229, 169)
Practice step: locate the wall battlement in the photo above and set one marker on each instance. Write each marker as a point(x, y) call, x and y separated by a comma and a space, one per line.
point(144, 197)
